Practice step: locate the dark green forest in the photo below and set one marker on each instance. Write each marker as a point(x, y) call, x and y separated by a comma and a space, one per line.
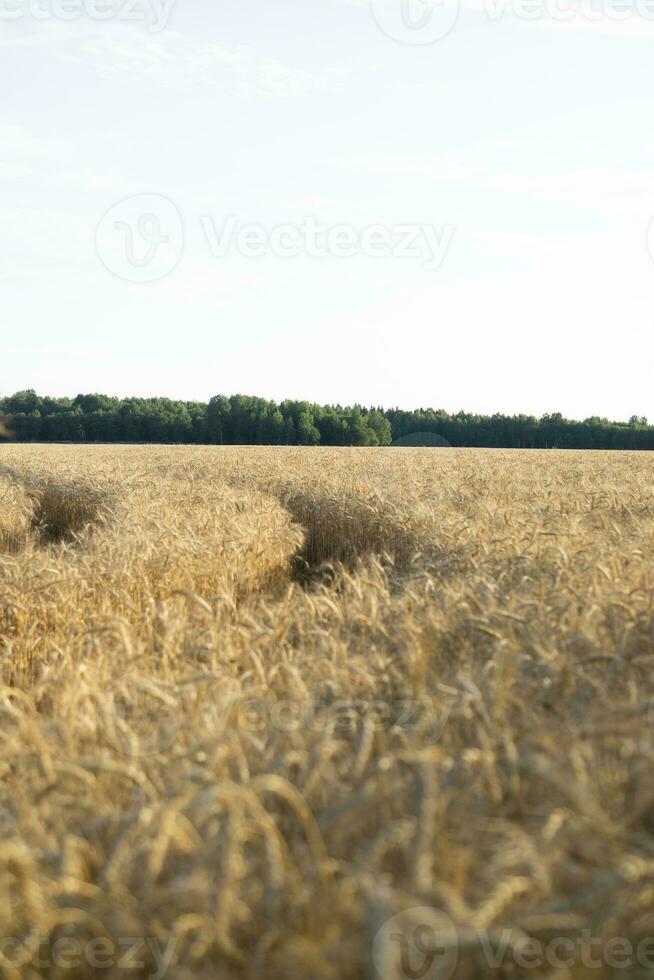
point(246, 420)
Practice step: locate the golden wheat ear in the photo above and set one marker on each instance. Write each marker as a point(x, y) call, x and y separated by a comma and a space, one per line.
point(4, 431)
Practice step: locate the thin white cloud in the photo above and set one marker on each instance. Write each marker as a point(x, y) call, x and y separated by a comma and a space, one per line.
point(20, 143)
point(49, 162)
point(177, 62)
point(119, 50)
point(576, 186)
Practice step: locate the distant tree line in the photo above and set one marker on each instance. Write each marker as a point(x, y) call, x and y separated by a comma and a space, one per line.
point(246, 420)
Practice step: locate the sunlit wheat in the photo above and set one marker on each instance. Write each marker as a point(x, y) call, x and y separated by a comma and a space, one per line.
point(256, 700)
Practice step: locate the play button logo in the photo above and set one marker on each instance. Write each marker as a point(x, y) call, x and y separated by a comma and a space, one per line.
point(416, 22)
point(418, 944)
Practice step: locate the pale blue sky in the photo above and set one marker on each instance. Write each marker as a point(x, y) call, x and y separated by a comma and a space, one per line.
point(532, 139)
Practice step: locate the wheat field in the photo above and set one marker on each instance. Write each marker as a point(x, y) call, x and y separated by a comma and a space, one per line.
point(257, 703)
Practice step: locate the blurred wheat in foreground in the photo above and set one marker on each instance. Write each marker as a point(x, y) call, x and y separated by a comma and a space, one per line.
point(257, 702)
